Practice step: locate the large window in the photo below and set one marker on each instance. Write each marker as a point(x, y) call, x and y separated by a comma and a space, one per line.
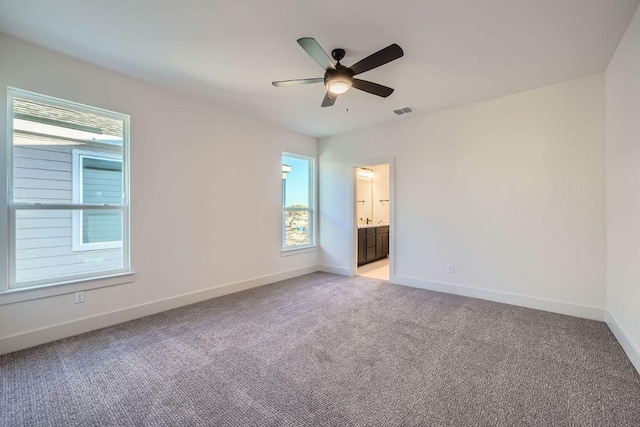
point(298, 215)
point(68, 191)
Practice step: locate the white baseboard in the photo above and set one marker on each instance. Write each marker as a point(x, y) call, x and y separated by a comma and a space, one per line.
point(335, 270)
point(627, 345)
point(587, 312)
point(63, 330)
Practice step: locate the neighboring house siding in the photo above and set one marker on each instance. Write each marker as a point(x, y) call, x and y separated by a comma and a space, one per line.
point(43, 173)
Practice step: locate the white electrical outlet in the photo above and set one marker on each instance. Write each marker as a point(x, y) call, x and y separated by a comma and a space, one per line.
point(278, 260)
point(449, 268)
point(78, 297)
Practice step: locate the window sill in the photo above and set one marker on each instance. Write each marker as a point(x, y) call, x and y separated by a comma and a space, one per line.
point(44, 291)
point(298, 251)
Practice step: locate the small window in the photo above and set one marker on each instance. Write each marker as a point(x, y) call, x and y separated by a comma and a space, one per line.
point(298, 213)
point(97, 179)
point(68, 200)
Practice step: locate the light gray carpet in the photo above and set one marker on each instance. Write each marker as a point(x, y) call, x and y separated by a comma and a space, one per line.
point(325, 350)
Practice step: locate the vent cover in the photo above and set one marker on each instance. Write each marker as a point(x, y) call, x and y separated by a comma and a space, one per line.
point(404, 110)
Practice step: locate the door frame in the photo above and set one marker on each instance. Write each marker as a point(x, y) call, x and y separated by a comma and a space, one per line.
point(353, 264)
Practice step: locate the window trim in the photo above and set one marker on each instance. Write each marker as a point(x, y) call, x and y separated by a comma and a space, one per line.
point(56, 286)
point(78, 155)
point(49, 290)
point(311, 209)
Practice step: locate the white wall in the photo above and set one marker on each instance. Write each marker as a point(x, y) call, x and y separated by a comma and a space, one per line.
point(511, 191)
point(623, 190)
point(380, 187)
point(198, 171)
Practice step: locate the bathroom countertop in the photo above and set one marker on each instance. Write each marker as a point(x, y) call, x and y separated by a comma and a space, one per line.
point(373, 225)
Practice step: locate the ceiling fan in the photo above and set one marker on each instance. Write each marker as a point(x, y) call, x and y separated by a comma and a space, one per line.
point(337, 78)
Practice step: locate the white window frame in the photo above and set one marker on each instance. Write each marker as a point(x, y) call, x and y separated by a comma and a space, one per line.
point(76, 242)
point(9, 293)
point(311, 209)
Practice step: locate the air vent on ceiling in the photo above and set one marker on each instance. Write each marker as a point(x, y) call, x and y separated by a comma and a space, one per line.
point(404, 110)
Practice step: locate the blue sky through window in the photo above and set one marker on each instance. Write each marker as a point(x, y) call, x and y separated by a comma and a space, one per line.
point(297, 182)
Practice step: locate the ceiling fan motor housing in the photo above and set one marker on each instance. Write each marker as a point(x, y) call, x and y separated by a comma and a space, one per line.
point(341, 73)
point(338, 54)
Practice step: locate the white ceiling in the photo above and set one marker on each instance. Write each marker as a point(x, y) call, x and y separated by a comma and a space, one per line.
point(456, 51)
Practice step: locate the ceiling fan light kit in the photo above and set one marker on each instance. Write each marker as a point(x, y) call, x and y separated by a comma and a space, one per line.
point(338, 79)
point(338, 82)
point(339, 85)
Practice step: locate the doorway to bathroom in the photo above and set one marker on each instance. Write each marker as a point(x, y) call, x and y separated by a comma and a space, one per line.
point(372, 208)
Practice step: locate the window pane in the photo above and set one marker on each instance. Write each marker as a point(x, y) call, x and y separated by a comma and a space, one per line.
point(296, 228)
point(44, 138)
point(101, 226)
point(101, 181)
point(101, 184)
point(295, 182)
point(44, 248)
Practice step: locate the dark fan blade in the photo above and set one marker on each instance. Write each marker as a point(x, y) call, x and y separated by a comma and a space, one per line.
point(373, 88)
point(297, 82)
point(313, 49)
point(329, 99)
point(377, 59)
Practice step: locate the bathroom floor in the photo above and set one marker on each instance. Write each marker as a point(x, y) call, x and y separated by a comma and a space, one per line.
point(375, 270)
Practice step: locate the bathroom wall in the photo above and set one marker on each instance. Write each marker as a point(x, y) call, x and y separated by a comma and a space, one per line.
point(380, 201)
point(364, 198)
point(372, 197)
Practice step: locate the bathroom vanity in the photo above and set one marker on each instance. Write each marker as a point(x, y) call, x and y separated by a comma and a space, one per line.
point(373, 243)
